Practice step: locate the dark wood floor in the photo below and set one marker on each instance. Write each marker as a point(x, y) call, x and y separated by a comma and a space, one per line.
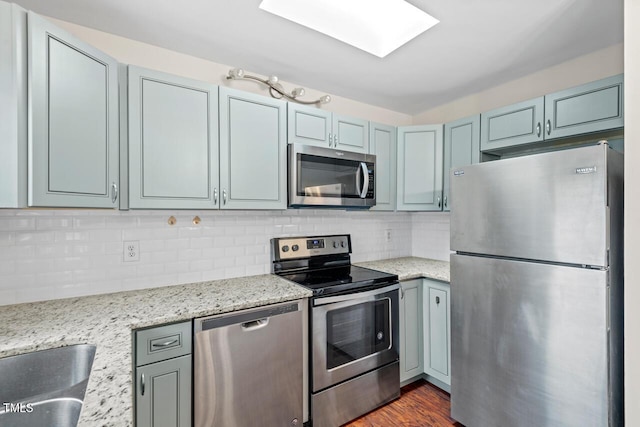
point(421, 404)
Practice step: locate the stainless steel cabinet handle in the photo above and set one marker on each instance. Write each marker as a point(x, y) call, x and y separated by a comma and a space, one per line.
point(114, 192)
point(215, 196)
point(401, 292)
point(437, 300)
point(538, 129)
point(142, 385)
point(335, 141)
point(439, 204)
point(164, 344)
point(330, 139)
point(445, 201)
point(224, 197)
point(548, 127)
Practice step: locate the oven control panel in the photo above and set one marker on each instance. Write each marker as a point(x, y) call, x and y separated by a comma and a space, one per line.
point(306, 247)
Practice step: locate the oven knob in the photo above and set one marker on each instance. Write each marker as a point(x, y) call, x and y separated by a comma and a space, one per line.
point(336, 244)
point(285, 248)
point(295, 248)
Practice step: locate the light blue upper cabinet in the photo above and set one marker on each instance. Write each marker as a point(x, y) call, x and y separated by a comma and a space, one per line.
point(350, 134)
point(173, 141)
point(73, 143)
point(253, 146)
point(589, 108)
point(461, 148)
point(516, 124)
point(593, 107)
point(308, 125)
point(420, 160)
point(313, 126)
point(383, 144)
point(13, 99)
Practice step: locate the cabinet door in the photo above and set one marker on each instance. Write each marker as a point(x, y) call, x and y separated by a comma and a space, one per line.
point(593, 107)
point(437, 319)
point(253, 146)
point(411, 341)
point(420, 168)
point(513, 125)
point(173, 141)
point(383, 145)
point(461, 148)
point(73, 143)
point(308, 125)
point(163, 393)
point(13, 99)
point(350, 134)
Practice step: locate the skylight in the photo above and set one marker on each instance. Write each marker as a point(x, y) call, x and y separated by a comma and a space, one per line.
point(375, 26)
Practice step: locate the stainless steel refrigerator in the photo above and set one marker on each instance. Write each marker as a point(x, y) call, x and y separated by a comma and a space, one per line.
point(537, 290)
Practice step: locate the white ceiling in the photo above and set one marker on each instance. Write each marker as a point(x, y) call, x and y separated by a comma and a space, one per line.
point(477, 44)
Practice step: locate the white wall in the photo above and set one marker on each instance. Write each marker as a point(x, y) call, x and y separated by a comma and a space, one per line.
point(596, 65)
point(49, 254)
point(145, 55)
point(430, 235)
point(632, 210)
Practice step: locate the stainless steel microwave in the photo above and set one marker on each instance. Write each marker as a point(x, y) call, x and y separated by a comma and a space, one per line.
point(325, 177)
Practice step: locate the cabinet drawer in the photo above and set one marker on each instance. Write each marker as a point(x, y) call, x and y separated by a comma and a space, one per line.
point(163, 342)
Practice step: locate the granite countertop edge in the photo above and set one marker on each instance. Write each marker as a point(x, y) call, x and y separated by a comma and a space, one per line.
point(108, 320)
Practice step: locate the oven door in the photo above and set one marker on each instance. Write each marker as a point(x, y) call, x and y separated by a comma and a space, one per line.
point(329, 177)
point(353, 334)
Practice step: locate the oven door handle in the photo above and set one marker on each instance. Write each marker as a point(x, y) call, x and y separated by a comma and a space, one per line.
point(354, 296)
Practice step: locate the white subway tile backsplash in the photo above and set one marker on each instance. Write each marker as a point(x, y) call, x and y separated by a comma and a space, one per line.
point(48, 254)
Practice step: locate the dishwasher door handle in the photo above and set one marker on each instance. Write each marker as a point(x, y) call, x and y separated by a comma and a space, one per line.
point(255, 324)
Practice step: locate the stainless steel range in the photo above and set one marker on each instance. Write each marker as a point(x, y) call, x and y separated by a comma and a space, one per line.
point(353, 326)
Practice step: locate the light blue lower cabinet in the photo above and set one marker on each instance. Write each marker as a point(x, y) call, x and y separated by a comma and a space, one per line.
point(437, 332)
point(163, 376)
point(163, 393)
point(411, 342)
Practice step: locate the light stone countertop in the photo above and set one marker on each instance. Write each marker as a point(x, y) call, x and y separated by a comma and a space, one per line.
point(411, 268)
point(107, 321)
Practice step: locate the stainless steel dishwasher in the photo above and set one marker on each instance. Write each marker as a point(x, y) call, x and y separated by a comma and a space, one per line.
point(248, 367)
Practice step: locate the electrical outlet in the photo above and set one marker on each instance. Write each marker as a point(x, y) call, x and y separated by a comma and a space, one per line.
point(387, 233)
point(131, 251)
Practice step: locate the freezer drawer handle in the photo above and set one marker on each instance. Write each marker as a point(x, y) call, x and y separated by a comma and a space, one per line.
point(255, 324)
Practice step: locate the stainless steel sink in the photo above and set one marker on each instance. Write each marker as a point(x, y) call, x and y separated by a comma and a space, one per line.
point(50, 385)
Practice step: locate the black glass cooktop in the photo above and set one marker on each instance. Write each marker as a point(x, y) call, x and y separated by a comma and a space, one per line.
point(333, 280)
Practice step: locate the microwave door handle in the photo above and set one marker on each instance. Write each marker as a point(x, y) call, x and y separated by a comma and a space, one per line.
point(358, 180)
point(365, 184)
